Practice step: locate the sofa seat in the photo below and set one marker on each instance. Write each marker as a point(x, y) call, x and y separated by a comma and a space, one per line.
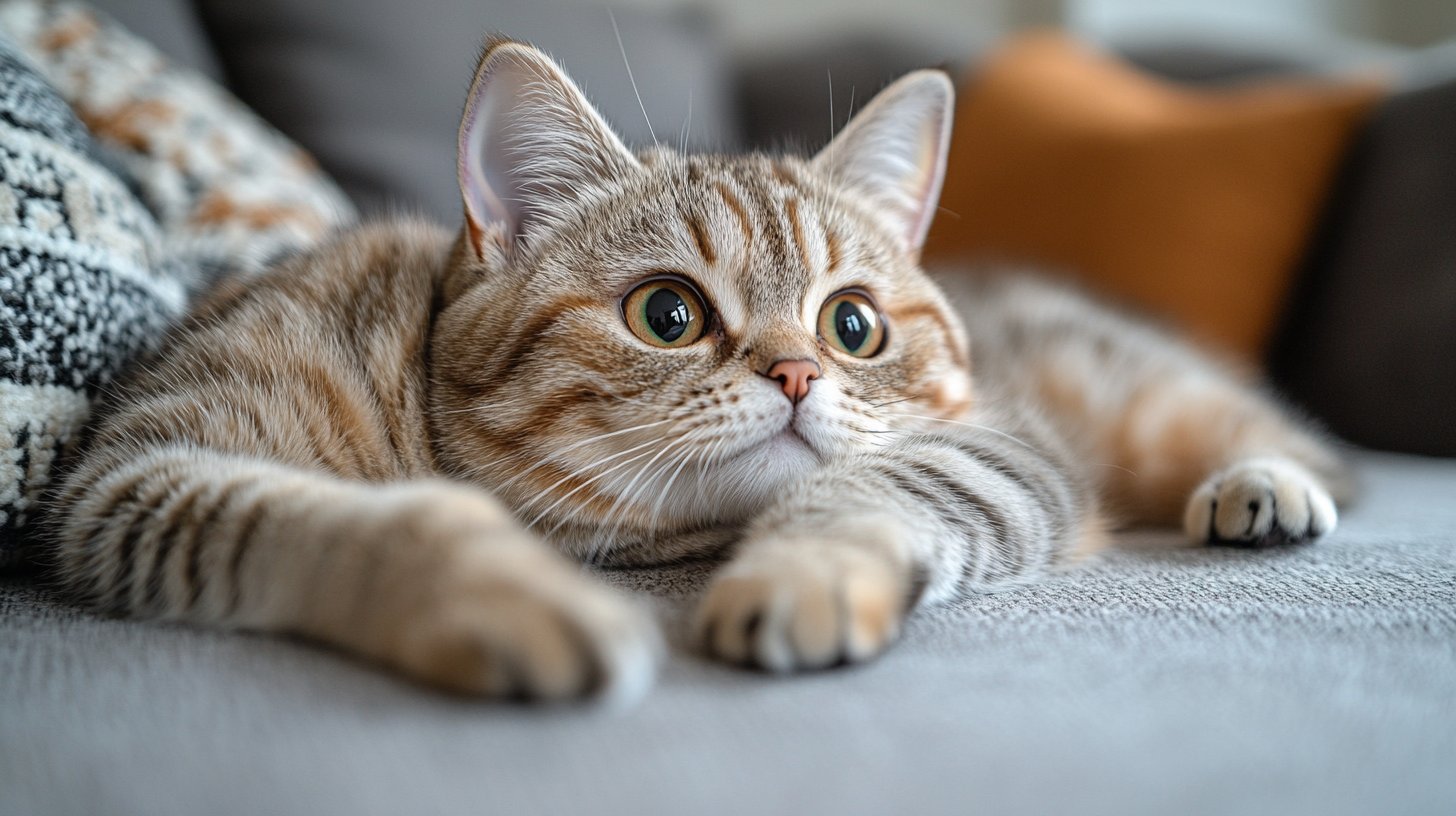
point(1161, 679)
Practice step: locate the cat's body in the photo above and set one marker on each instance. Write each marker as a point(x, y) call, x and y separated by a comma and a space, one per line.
point(643, 359)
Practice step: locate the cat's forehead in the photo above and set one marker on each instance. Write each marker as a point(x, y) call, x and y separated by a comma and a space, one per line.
point(765, 234)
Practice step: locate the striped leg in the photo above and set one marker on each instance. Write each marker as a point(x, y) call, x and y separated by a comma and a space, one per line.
point(429, 577)
point(829, 572)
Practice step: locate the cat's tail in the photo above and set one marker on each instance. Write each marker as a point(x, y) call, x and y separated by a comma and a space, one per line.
point(433, 578)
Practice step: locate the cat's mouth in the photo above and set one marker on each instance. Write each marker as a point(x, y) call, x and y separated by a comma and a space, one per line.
point(790, 442)
point(785, 445)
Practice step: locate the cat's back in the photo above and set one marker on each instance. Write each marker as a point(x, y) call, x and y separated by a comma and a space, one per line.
point(319, 361)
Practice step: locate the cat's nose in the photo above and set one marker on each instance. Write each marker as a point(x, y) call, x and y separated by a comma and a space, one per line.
point(794, 377)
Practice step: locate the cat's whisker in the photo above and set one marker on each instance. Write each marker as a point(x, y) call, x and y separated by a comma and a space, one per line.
point(545, 460)
point(985, 428)
point(690, 448)
point(687, 126)
point(575, 490)
point(612, 512)
point(618, 32)
point(610, 487)
point(688, 455)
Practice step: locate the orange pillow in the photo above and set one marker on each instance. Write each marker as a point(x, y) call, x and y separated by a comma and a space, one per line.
point(1190, 204)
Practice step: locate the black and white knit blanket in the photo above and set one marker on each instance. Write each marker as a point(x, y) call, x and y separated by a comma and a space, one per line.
point(126, 186)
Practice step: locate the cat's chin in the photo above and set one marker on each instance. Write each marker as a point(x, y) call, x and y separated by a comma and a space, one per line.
point(751, 477)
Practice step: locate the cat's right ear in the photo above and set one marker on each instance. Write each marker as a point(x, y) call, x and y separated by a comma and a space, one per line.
point(529, 142)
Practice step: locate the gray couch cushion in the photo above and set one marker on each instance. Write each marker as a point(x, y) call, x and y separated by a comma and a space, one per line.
point(1370, 338)
point(374, 89)
point(1162, 679)
point(170, 25)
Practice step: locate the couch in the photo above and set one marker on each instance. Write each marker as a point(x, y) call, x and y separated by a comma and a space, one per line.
point(1160, 679)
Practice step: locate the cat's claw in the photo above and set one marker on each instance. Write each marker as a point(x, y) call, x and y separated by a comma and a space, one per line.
point(544, 632)
point(1260, 502)
point(802, 606)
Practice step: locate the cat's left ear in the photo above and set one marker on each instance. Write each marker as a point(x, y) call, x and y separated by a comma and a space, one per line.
point(529, 144)
point(894, 151)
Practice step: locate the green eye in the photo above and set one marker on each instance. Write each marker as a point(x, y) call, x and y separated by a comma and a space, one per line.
point(852, 324)
point(665, 312)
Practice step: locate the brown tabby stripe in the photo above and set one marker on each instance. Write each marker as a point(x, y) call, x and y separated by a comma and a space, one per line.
point(202, 536)
point(791, 207)
point(911, 311)
point(834, 250)
point(172, 530)
point(534, 328)
point(784, 175)
point(738, 210)
point(242, 541)
point(349, 422)
point(587, 493)
point(700, 238)
point(140, 513)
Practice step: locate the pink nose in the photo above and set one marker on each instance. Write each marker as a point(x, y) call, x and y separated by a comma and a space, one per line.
point(794, 377)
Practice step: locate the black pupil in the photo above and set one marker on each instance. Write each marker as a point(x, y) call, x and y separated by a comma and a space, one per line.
point(852, 324)
point(667, 315)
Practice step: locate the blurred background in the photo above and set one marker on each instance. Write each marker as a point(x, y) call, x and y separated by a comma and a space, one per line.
point(1274, 176)
point(754, 24)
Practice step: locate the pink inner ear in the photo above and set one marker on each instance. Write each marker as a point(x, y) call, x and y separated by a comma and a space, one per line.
point(895, 151)
point(529, 143)
point(485, 185)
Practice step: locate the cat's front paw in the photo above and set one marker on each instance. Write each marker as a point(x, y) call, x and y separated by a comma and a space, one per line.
point(1260, 502)
point(802, 605)
point(529, 625)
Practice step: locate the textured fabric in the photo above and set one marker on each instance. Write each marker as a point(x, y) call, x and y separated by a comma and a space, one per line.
point(1190, 204)
point(229, 191)
point(125, 183)
point(1369, 343)
point(84, 284)
point(1161, 679)
point(374, 89)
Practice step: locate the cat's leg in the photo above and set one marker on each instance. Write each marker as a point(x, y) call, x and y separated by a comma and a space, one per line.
point(1170, 436)
point(1194, 446)
point(431, 578)
point(829, 572)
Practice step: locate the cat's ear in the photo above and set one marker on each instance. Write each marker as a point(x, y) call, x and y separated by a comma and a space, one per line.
point(894, 151)
point(529, 141)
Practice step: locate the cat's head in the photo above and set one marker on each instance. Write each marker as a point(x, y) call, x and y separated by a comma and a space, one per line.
point(635, 348)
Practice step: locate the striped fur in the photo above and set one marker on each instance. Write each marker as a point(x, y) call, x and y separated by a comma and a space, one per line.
point(373, 445)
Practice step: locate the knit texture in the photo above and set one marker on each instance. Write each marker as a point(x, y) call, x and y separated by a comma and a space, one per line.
point(126, 186)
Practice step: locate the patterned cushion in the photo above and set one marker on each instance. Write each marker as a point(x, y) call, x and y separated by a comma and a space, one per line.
point(125, 186)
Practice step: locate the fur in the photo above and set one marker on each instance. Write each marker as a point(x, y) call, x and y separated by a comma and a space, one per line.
point(388, 444)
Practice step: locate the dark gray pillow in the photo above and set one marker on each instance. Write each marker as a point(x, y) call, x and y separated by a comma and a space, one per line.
point(374, 88)
point(785, 95)
point(170, 25)
point(1369, 343)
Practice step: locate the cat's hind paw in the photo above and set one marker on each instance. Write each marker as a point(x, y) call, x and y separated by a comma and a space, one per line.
point(1259, 502)
point(802, 606)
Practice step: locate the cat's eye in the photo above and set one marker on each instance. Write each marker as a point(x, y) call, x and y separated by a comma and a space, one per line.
point(852, 324)
point(665, 312)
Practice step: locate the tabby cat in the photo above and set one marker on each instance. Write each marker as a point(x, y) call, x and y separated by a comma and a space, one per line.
point(387, 445)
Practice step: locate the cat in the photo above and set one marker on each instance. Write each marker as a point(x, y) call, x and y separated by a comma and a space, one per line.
point(387, 444)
